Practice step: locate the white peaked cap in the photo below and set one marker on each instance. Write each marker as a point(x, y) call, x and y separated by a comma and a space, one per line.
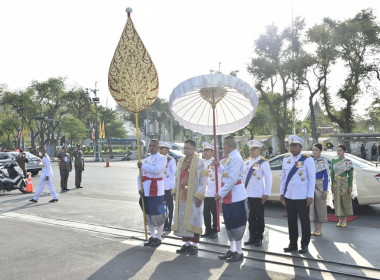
point(165, 145)
point(207, 146)
point(254, 144)
point(294, 139)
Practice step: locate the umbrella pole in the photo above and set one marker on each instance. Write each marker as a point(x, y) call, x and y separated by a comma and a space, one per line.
point(140, 173)
point(215, 167)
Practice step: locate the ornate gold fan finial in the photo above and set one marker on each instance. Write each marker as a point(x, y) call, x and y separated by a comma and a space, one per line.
point(132, 76)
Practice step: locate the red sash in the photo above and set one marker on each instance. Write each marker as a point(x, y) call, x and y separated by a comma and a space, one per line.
point(228, 198)
point(153, 185)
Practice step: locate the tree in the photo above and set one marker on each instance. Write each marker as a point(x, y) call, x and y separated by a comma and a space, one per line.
point(75, 130)
point(358, 44)
point(313, 68)
point(276, 54)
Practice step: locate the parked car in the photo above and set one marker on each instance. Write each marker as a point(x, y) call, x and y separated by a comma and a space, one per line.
point(177, 155)
point(35, 163)
point(367, 177)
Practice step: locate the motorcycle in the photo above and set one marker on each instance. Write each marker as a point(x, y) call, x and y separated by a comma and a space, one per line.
point(127, 156)
point(12, 177)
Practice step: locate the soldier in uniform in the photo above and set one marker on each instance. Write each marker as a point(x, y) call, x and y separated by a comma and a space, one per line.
point(258, 183)
point(233, 195)
point(21, 161)
point(169, 182)
point(297, 192)
point(209, 202)
point(79, 166)
point(65, 167)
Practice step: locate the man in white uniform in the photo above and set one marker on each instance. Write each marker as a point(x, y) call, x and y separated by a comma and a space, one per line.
point(169, 178)
point(297, 192)
point(209, 202)
point(258, 182)
point(45, 178)
point(233, 195)
point(152, 169)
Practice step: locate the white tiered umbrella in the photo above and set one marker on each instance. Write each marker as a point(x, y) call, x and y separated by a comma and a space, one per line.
point(213, 104)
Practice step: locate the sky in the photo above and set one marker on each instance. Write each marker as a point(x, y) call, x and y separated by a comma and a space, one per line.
point(77, 38)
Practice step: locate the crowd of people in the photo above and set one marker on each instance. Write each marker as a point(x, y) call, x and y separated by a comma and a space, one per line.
point(199, 185)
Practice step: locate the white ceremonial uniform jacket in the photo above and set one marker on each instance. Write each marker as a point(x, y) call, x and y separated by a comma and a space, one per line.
point(46, 168)
point(233, 171)
point(211, 185)
point(153, 167)
point(169, 173)
point(302, 183)
point(260, 182)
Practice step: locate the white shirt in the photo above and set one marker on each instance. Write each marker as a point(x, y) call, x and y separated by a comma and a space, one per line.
point(211, 185)
point(46, 167)
point(233, 171)
point(153, 167)
point(260, 182)
point(302, 184)
point(169, 173)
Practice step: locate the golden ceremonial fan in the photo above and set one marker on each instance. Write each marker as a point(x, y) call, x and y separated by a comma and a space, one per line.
point(133, 80)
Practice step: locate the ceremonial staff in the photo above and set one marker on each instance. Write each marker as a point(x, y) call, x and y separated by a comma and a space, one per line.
point(133, 81)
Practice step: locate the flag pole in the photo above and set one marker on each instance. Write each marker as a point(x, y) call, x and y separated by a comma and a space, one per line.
point(140, 173)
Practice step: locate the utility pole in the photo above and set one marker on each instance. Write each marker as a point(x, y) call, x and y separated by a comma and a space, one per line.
point(95, 100)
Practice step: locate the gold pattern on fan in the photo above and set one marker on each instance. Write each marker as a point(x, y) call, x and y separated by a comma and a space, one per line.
point(132, 76)
point(213, 94)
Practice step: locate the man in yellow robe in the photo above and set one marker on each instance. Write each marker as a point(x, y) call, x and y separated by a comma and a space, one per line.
point(189, 193)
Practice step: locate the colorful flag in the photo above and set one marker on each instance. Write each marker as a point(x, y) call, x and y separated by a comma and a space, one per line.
point(103, 131)
point(19, 133)
point(92, 131)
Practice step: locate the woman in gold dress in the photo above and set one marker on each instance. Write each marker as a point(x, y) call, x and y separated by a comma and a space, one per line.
point(342, 178)
point(318, 209)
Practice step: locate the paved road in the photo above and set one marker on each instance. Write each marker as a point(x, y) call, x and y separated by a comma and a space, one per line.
point(95, 233)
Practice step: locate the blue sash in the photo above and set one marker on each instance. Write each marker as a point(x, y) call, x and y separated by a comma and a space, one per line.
point(250, 171)
point(291, 173)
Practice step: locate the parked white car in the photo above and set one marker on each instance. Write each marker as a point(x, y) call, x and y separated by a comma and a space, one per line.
point(367, 177)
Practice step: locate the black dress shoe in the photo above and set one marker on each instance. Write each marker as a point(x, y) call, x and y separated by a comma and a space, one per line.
point(235, 257)
point(79, 187)
point(214, 234)
point(32, 200)
point(183, 249)
point(258, 243)
point(193, 250)
point(227, 255)
point(303, 250)
point(53, 200)
point(64, 190)
point(156, 242)
point(250, 241)
point(207, 233)
point(149, 242)
point(290, 248)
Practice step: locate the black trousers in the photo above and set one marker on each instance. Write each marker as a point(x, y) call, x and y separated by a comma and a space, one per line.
point(78, 175)
point(64, 177)
point(295, 208)
point(170, 206)
point(256, 218)
point(208, 210)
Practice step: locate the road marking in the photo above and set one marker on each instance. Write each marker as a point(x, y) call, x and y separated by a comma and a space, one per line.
point(76, 225)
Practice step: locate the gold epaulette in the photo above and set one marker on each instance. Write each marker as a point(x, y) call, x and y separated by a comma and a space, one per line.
point(287, 155)
point(248, 158)
point(170, 157)
point(263, 158)
point(306, 155)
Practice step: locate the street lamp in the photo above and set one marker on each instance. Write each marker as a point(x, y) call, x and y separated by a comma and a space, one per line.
point(95, 100)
